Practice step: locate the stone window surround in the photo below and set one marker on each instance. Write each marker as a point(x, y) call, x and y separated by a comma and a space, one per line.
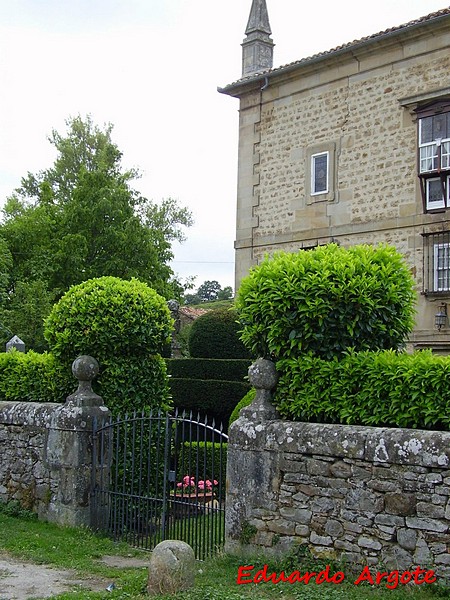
point(315, 150)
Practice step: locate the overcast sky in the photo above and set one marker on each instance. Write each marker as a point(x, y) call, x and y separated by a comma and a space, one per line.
point(152, 68)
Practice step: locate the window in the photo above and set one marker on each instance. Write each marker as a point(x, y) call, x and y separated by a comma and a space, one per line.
point(319, 173)
point(434, 193)
point(434, 155)
point(441, 267)
point(436, 276)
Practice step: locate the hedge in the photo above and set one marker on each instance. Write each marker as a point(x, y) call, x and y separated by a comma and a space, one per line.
point(209, 368)
point(108, 316)
point(124, 324)
point(34, 377)
point(384, 388)
point(215, 398)
point(216, 335)
point(326, 301)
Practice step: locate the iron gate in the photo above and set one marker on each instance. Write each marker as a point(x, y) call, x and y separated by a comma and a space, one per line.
point(159, 476)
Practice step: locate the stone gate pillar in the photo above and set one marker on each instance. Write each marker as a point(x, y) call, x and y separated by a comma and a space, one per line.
point(70, 447)
point(252, 469)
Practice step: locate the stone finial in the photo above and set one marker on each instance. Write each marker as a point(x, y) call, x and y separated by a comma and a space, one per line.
point(85, 369)
point(17, 343)
point(174, 308)
point(262, 374)
point(171, 568)
point(257, 48)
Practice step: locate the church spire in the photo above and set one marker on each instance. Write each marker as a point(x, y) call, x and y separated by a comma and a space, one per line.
point(257, 48)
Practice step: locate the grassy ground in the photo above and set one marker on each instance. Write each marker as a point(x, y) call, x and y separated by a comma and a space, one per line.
point(81, 550)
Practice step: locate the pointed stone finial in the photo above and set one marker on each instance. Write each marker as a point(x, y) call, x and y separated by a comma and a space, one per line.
point(259, 18)
point(257, 48)
point(15, 342)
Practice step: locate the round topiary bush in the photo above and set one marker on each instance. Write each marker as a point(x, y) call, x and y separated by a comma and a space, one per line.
point(124, 325)
point(108, 316)
point(326, 300)
point(216, 335)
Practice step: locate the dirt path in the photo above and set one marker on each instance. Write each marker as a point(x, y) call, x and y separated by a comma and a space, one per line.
point(21, 580)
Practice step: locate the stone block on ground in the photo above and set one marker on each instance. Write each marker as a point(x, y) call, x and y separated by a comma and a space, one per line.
point(171, 568)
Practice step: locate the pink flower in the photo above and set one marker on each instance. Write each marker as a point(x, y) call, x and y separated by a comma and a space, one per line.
point(188, 484)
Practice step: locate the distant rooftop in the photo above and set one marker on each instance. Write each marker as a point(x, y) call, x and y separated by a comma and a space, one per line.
point(192, 313)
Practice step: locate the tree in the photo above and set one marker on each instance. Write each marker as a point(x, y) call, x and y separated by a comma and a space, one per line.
point(5, 268)
point(29, 305)
point(82, 219)
point(209, 290)
point(226, 293)
point(192, 299)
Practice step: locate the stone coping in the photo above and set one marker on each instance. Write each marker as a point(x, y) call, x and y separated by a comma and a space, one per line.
point(375, 444)
point(36, 414)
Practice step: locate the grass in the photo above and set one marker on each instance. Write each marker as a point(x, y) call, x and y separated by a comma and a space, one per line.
point(80, 550)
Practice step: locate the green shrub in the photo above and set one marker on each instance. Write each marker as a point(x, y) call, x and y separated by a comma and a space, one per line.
point(209, 368)
point(216, 335)
point(383, 388)
point(325, 301)
point(246, 400)
point(124, 325)
point(107, 317)
point(133, 383)
point(214, 398)
point(33, 377)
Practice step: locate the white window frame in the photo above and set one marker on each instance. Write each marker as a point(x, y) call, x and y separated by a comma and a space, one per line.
point(444, 202)
point(314, 157)
point(433, 154)
point(444, 269)
point(434, 204)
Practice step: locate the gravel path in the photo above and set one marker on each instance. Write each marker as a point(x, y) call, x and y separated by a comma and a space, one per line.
point(21, 580)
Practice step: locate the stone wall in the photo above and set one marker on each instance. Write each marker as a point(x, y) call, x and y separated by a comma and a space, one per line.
point(371, 496)
point(46, 451)
point(24, 476)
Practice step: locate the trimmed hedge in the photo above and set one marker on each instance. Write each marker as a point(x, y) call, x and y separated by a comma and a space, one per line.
point(216, 335)
point(108, 316)
point(215, 398)
point(133, 383)
point(209, 368)
point(124, 324)
point(326, 301)
point(384, 388)
point(34, 377)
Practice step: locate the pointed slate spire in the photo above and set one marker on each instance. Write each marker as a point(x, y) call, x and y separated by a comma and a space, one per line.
point(257, 48)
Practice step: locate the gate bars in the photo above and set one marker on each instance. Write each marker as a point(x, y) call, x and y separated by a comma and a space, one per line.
point(159, 476)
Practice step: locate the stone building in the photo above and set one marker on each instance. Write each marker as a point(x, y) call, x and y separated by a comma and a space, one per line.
point(351, 146)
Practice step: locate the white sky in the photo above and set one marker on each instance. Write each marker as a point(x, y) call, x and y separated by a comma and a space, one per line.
point(152, 67)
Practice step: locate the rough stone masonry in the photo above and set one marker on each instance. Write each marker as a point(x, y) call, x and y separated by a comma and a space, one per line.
point(371, 496)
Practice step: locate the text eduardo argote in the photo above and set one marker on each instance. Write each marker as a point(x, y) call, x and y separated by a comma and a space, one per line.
point(390, 579)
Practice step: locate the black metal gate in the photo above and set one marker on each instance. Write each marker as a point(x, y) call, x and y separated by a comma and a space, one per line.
point(159, 476)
